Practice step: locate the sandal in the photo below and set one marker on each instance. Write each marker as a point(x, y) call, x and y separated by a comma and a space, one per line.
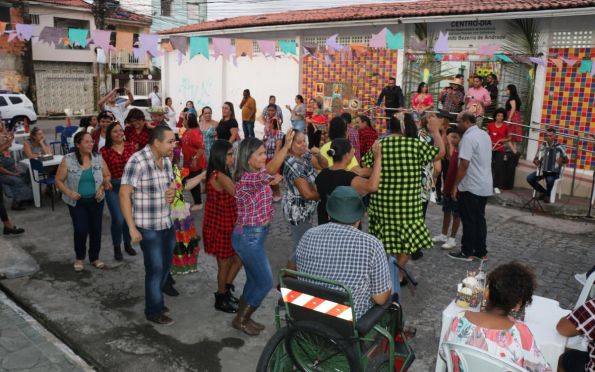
point(98, 264)
point(78, 266)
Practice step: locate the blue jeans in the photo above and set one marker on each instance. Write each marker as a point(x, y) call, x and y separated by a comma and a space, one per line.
point(248, 127)
point(395, 276)
point(533, 180)
point(248, 242)
point(158, 249)
point(119, 227)
point(298, 125)
point(86, 222)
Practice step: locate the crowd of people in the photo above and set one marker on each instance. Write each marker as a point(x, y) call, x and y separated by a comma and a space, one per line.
point(337, 168)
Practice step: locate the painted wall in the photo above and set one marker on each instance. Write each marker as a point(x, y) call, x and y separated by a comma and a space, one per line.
point(179, 14)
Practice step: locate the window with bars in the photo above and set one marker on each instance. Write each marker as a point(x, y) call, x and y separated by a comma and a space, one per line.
point(166, 8)
point(342, 40)
point(572, 39)
point(34, 19)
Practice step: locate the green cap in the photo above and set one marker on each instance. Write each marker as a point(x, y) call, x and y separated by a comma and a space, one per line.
point(345, 205)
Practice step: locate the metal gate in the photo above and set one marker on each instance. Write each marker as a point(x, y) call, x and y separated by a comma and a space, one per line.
point(144, 87)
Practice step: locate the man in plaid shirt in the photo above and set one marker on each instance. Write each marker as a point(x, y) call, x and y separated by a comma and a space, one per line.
point(340, 252)
point(580, 322)
point(146, 193)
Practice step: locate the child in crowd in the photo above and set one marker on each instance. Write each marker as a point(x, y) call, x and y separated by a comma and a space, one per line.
point(273, 136)
point(450, 206)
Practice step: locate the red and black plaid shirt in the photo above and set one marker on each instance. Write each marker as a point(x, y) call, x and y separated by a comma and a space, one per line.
point(116, 162)
point(584, 320)
point(139, 140)
point(367, 137)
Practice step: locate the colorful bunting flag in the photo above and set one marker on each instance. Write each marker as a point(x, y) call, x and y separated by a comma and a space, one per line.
point(310, 48)
point(52, 35)
point(149, 43)
point(441, 45)
point(558, 62)
point(360, 49)
point(244, 47)
point(378, 40)
point(102, 39)
point(179, 43)
point(222, 47)
point(332, 44)
point(586, 66)
point(539, 61)
point(2, 27)
point(78, 36)
point(124, 41)
point(488, 49)
point(394, 41)
point(503, 57)
point(267, 47)
point(288, 47)
point(438, 57)
point(416, 44)
point(199, 45)
point(570, 62)
point(25, 32)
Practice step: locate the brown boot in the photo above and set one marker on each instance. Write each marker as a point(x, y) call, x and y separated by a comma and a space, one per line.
point(241, 321)
point(251, 321)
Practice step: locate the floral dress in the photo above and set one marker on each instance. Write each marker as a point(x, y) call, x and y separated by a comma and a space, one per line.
point(515, 344)
point(186, 250)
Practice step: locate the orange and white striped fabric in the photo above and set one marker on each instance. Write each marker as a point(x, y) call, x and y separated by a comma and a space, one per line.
point(317, 304)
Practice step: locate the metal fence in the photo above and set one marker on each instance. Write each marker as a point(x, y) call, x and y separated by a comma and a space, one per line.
point(144, 87)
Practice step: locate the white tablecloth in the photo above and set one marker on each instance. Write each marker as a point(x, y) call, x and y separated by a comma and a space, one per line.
point(541, 317)
point(34, 185)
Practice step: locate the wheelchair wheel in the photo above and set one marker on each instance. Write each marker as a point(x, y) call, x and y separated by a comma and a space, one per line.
point(315, 347)
point(273, 357)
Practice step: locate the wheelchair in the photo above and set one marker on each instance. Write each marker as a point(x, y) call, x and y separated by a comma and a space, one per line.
point(317, 331)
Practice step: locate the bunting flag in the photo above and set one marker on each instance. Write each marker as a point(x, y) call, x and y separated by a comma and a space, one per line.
point(222, 47)
point(570, 62)
point(558, 62)
point(539, 61)
point(149, 43)
point(124, 41)
point(488, 49)
point(139, 54)
point(2, 27)
point(360, 49)
point(394, 41)
point(521, 59)
point(378, 40)
point(244, 47)
point(503, 57)
point(25, 32)
point(199, 45)
point(267, 47)
point(288, 47)
point(438, 56)
point(592, 68)
point(586, 66)
point(310, 48)
point(418, 45)
point(333, 45)
point(180, 58)
point(102, 39)
point(12, 35)
point(78, 36)
point(52, 35)
point(179, 43)
point(441, 45)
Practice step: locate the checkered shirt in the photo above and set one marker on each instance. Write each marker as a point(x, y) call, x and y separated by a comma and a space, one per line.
point(346, 255)
point(367, 137)
point(139, 140)
point(116, 162)
point(449, 105)
point(295, 208)
point(149, 208)
point(584, 320)
point(254, 199)
point(270, 142)
point(396, 215)
point(353, 137)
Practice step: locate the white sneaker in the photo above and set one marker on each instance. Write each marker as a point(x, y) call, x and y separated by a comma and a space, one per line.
point(450, 243)
point(440, 238)
point(497, 191)
point(581, 278)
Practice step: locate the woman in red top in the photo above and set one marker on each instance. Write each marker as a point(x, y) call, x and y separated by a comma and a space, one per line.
point(136, 132)
point(116, 153)
point(218, 222)
point(498, 131)
point(367, 134)
point(421, 101)
point(193, 149)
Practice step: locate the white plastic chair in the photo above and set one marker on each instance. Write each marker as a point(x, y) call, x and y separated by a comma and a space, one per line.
point(588, 291)
point(473, 359)
point(557, 188)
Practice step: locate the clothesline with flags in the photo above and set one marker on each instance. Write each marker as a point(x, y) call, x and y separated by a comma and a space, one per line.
point(155, 45)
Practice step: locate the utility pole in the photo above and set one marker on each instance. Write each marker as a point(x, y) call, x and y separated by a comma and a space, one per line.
point(27, 56)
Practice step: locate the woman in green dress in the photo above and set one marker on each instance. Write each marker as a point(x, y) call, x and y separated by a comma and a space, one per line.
point(395, 212)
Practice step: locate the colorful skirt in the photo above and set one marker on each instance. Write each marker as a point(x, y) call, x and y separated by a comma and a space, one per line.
point(186, 249)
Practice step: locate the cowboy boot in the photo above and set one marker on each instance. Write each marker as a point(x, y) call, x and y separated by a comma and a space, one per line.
point(241, 321)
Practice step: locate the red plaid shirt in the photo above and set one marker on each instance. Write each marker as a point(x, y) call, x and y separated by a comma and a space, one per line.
point(353, 137)
point(116, 162)
point(139, 140)
point(584, 320)
point(367, 137)
point(254, 199)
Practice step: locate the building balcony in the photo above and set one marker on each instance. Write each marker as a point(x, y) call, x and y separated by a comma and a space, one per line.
point(124, 60)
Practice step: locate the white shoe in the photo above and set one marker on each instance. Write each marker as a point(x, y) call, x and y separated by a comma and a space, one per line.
point(450, 243)
point(581, 278)
point(440, 238)
point(497, 191)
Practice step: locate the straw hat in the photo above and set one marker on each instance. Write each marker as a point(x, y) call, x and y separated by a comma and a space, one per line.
point(157, 110)
point(457, 81)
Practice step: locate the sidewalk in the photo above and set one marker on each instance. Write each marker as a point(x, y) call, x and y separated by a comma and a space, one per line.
point(568, 206)
point(26, 346)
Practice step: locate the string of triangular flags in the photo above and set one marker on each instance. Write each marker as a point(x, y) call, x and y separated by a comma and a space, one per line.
point(149, 44)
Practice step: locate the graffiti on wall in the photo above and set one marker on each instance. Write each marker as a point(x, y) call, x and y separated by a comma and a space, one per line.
point(200, 93)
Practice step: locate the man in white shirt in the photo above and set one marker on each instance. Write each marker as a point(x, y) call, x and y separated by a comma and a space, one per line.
point(108, 103)
point(155, 97)
point(472, 187)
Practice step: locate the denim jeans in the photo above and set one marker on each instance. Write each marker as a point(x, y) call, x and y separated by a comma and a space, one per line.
point(533, 180)
point(158, 249)
point(248, 127)
point(297, 231)
point(86, 221)
point(248, 242)
point(119, 228)
point(472, 210)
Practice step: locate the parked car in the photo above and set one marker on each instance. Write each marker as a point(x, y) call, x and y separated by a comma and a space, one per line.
point(15, 107)
point(140, 102)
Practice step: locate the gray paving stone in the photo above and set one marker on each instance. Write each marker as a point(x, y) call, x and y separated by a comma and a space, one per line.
point(22, 359)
